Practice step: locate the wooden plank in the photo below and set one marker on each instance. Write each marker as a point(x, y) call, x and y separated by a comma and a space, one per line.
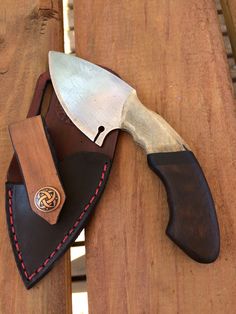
point(172, 52)
point(27, 31)
point(229, 11)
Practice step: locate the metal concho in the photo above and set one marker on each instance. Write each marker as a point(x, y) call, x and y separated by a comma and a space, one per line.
point(47, 199)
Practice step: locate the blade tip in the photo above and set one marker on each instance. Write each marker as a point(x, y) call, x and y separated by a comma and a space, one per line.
point(50, 53)
point(53, 53)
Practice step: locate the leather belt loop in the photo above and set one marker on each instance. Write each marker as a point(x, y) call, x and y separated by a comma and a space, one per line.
point(45, 192)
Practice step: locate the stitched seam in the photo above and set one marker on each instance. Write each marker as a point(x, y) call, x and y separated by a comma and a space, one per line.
point(67, 236)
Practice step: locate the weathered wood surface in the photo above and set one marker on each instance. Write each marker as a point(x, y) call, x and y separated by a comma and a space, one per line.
point(28, 29)
point(172, 52)
point(229, 10)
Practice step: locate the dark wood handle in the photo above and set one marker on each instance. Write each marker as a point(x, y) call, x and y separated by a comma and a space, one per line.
point(193, 223)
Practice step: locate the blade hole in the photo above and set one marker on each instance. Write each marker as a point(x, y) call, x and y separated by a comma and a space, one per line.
point(100, 130)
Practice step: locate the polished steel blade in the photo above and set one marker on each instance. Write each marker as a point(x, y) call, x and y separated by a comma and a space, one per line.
point(92, 97)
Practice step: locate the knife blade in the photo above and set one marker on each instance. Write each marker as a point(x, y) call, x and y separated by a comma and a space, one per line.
point(98, 102)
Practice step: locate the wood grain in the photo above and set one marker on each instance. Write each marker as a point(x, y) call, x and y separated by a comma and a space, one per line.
point(37, 165)
point(172, 52)
point(229, 11)
point(27, 32)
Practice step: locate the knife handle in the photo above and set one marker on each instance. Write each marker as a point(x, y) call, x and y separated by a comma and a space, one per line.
point(192, 223)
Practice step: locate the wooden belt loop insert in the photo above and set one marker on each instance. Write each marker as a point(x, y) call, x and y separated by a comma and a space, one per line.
point(45, 192)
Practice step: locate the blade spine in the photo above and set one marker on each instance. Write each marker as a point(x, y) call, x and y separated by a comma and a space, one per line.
point(93, 65)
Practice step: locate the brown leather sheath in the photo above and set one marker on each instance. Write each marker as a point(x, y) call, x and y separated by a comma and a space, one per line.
point(83, 168)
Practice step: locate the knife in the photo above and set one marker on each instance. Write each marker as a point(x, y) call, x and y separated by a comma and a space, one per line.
point(98, 102)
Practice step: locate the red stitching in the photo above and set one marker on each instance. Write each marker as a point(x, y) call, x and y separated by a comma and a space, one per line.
point(59, 246)
point(86, 207)
point(47, 260)
point(81, 216)
point(91, 199)
point(10, 194)
point(30, 277)
point(39, 269)
point(52, 254)
point(65, 238)
point(76, 224)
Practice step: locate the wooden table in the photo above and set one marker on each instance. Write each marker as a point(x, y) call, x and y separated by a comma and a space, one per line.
point(172, 52)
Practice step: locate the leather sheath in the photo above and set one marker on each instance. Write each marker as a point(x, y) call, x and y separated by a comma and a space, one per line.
point(83, 168)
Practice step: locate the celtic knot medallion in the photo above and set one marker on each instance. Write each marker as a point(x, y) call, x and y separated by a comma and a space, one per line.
point(47, 199)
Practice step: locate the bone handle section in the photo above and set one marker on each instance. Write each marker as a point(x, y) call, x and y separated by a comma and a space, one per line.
point(193, 222)
point(149, 129)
